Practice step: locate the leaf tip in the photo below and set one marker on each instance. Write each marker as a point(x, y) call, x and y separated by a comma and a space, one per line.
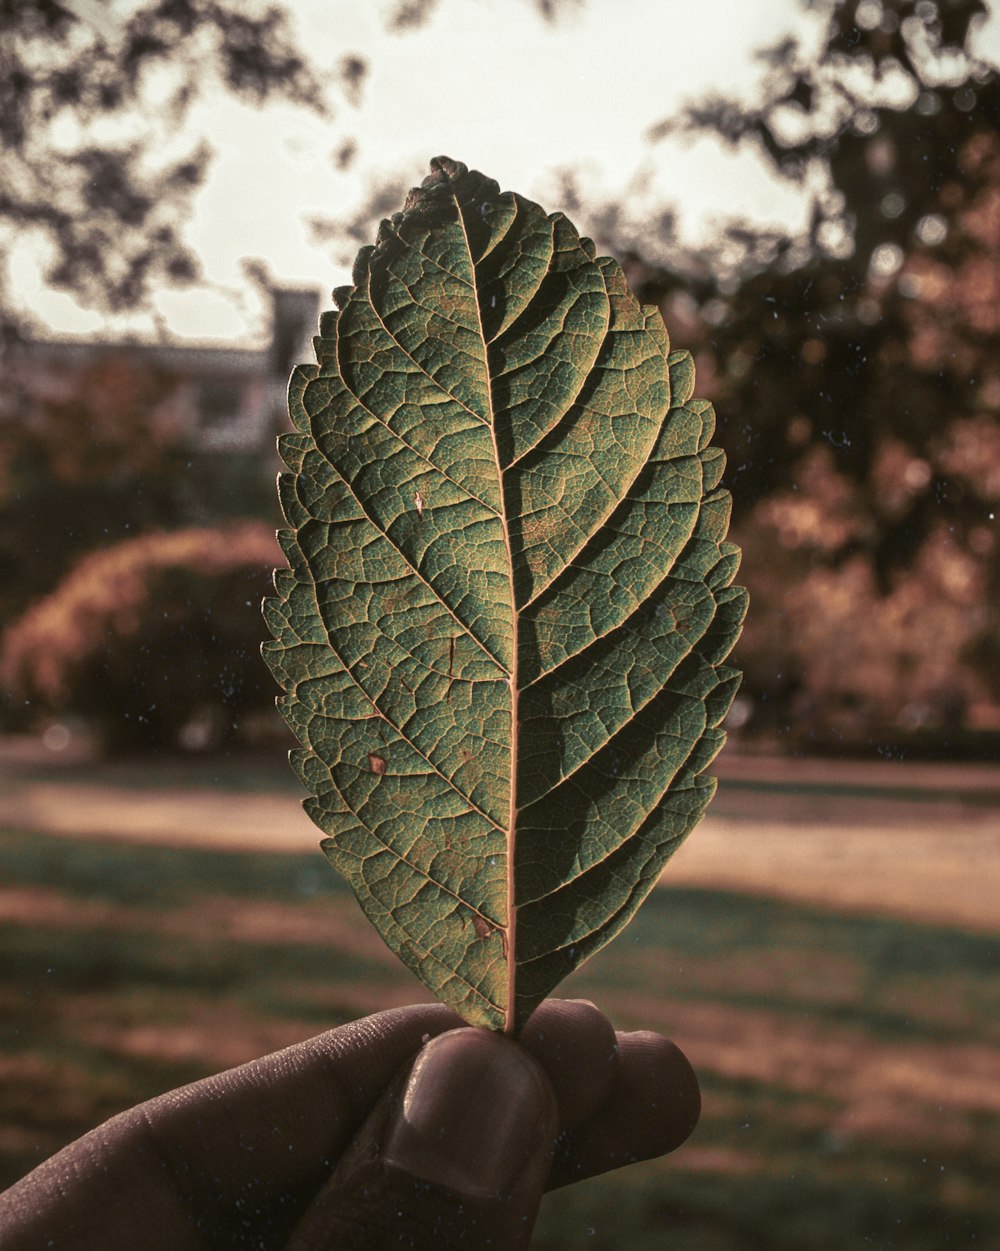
point(443, 167)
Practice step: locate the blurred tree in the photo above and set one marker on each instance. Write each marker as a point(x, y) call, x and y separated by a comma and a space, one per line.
point(857, 367)
point(894, 129)
point(406, 15)
point(97, 156)
point(82, 465)
point(98, 163)
point(94, 158)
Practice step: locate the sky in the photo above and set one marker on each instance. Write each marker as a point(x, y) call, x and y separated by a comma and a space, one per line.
point(488, 82)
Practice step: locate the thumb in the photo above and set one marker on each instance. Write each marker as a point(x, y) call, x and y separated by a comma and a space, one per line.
point(455, 1155)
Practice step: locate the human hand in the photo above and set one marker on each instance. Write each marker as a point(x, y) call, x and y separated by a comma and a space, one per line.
point(333, 1144)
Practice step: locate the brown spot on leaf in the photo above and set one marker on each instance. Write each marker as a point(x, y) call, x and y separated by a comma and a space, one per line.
point(376, 764)
point(486, 929)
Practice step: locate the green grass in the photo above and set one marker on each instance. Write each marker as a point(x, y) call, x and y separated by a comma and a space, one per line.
point(847, 1063)
point(239, 772)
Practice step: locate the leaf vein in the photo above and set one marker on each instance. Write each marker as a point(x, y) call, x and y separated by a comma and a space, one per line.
point(474, 807)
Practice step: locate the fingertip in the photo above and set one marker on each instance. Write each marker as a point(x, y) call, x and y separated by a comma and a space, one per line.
point(661, 1078)
point(651, 1109)
point(576, 1045)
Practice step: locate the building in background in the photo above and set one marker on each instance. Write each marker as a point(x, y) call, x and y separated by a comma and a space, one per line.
point(137, 521)
point(218, 399)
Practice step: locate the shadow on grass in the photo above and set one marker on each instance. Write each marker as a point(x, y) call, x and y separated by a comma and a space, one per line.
point(129, 969)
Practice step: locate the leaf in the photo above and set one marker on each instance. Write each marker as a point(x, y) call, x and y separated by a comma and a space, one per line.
point(502, 630)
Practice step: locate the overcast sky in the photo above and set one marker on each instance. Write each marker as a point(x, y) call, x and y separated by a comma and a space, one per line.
point(487, 82)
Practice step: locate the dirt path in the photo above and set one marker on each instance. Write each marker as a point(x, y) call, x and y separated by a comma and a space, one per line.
point(925, 847)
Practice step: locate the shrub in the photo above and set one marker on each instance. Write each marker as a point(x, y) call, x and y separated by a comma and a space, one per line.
point(155, 640)
point(833, 658)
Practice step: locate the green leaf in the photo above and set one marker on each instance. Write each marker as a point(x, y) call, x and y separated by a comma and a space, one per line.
point(502, 631)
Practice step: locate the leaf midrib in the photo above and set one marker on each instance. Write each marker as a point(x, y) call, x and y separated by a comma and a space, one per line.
point(511, 926)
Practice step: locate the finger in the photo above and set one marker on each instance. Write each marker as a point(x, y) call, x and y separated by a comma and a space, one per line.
point(455, 1156)
point(652, 1108)
point(252, 1144)
point(576, 1045)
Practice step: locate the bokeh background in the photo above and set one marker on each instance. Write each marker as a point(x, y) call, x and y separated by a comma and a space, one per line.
point(811, 195)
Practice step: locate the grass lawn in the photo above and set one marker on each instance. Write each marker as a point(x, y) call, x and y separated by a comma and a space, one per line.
point(849, 1064)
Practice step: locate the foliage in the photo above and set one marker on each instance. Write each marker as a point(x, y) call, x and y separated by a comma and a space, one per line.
point(503, 628)
point(896, 126)
point(84, 460)
point(151, 636)
point(91, 107)
point(99, 159)
point(92, 455)
point(831, 658)
point(862, 357)
point(407, 14)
